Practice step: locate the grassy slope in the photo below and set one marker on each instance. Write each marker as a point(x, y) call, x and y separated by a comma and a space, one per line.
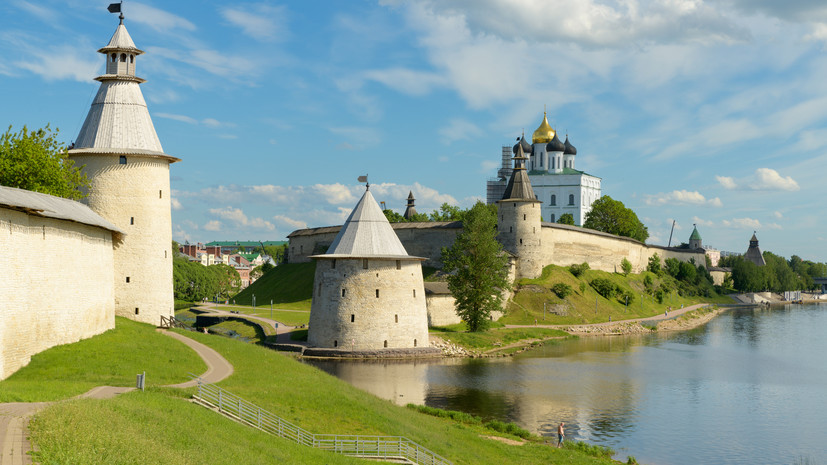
point(527, 304)
point(289, 286)
point(112, 358)
point(159, 426)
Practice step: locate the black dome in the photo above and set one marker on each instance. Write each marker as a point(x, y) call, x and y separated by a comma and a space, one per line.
point(555, 145)
point(570, 149)
point(527, 148)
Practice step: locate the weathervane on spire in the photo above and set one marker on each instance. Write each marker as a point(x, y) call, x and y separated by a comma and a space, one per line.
point(364, 179)
point(116, 8)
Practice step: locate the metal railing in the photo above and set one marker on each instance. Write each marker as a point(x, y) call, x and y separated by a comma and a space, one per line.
point(385, 447)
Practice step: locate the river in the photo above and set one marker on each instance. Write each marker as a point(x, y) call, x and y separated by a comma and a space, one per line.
point(749, 387)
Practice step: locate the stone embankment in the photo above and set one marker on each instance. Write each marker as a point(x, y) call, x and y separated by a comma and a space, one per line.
point(604, 329)
point(450, 349)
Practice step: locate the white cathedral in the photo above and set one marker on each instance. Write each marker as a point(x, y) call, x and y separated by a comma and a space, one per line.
point(558, 186)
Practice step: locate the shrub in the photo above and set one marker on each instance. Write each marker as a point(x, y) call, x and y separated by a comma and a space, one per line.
point(631, 460)
point(604, 287)
point(508, 428)
point(659, 296)
point(648, 281)
point(582, 287)
point(673, 267)
point(626, 294)
point(460, 417)
point(654, 264)
point(562, 290)
point(626, 266)
point(577, 270)
point(590, 449)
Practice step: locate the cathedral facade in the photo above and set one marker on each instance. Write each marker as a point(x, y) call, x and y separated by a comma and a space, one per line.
point(558, 185)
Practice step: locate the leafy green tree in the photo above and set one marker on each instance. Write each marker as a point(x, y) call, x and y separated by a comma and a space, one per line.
point(577, 270)
point(566, 218)
point(36, 161)
point(449, 213)
point(654, 264)
point(562, 290)
point(673, 267)
point(477, 267)
point(611, 216)
point(605, 287)
point(393, 217)
point(626, 266)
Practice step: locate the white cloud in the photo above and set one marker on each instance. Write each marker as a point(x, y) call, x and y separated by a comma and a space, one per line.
point(295, 224)
point(213, 225)
point(764, 179)
point(45, 14)
point(174, 117)
point(61, 62)
point(742, 223)
point(407, 81)
point(157, 19)
point(237, 216)
point(459, 129)
point(262, 22)
point(682, 197)
point(359, 137)
point(702, 222)
point(778, 215)
point(176, 204)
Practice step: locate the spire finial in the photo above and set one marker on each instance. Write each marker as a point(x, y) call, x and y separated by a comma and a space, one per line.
point(364, 179)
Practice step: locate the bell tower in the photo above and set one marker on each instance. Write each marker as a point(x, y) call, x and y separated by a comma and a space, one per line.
point(129, 183)
point(518, 225)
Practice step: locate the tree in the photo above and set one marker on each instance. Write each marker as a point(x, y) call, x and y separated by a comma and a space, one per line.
point(626, 266)
point(393, 217)
point(36, 161)
point(611, 216)
point(449, 213)
point(477, 267)
point(654, 264)
point(566, 218)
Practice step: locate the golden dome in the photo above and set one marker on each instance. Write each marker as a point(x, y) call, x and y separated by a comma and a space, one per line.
point(544, 134)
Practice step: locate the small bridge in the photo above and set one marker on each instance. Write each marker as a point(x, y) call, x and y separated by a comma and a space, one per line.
point(388, 448)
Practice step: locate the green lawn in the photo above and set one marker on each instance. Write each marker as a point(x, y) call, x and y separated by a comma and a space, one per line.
point(495, 337)
point(113, 358)
point(585, 305)
point(288, 317)
point(289, 286)
point(160, 426)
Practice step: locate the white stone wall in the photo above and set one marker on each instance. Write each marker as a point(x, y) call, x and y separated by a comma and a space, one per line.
point(519, 231)
point(566, 246)
point(56, 287)
point(359, 320)
point(441, 310)
point(135, 197)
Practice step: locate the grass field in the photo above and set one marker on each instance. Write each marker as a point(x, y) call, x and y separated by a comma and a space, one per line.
point(113, 358)
point(289, 286)
point(288, 317)
point(585, 305)
point(160, 426)
point(495, 337)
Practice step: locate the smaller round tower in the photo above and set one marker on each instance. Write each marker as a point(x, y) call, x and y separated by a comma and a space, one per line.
point(695, 238)
point(368, 293)
point(519, 220)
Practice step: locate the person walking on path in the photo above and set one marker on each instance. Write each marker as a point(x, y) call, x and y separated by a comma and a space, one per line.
point(561, 433)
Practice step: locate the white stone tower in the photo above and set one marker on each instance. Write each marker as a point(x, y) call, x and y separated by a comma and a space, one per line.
point(368, 293)
point(129, 175)
point(519, 225)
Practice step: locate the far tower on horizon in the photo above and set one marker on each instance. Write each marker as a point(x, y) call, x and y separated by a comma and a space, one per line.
point(129, 183)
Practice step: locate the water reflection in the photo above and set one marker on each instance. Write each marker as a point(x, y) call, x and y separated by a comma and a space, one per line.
point(747, 388)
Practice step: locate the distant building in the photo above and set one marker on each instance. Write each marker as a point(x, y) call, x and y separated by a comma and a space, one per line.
point(754, 252)
point(410, 211)
point(244, 246)
point(558, 186)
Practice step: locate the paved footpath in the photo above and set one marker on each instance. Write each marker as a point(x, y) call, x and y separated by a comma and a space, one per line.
point(282, 330)
point(659, 317)
point(14, 416)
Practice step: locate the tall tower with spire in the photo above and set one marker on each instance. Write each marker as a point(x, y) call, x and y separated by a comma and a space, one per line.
point(519, 221)
point(129, 183)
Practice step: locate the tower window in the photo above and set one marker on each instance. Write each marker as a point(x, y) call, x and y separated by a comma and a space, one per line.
point(377, 293)
point(523, 216)
point(352, 318)
point(552, 217)
point(414, 293)
point(132, 58)
point(333, 264)
point(553, 200)
point(343, 292)
point(136, 310)
point(127, 279)
point(399, 264)
point(122, 160)
point(114, 57)
point(123, 57)
point(414, 342)
point(160, 194)
point(132, 220)
point(335, 343)
point(396, 318)
point(386, 343)
point(365, 263)
point(571, 199)
point(319, 292)
point(521, 242)
point(511, 229)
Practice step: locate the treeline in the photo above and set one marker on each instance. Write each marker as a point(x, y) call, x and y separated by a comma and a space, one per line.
point(445, 213)
point(689, 278)
point(778, 275)
point(192, 281)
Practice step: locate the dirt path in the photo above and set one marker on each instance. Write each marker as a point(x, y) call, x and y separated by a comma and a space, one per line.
point(660, 317)
point(14, 416)
point(282, 330)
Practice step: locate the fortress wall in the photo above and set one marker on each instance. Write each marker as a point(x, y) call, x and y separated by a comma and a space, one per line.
point(136, 198)
point(427, 243)
point(300, 248)
point(565, 246)
point(57, 285)
point(361, 320)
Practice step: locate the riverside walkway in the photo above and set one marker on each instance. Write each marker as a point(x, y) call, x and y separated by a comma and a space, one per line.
point(574, 328)
point(281, 330)
point(14, 416)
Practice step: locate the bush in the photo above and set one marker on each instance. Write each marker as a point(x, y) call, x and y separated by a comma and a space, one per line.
point(582, 287)
point(648, 281)
point(590, 449)
point(659, 296)
point(626, 266)
point(604, 287)
point(577, 270)
point(460, 417)
point(508, 428)
point(654, 264)
point(631, 460)
point(562, 290)
point(626, 294)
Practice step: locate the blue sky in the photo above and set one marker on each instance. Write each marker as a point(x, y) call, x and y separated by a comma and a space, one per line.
point(711, 112)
